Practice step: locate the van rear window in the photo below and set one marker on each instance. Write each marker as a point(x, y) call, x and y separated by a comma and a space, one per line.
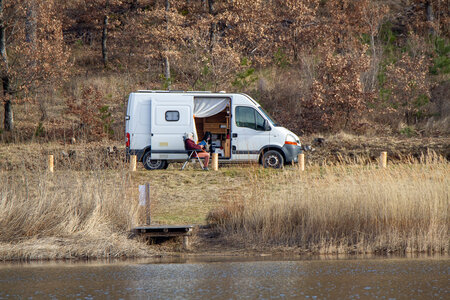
point(172, 115)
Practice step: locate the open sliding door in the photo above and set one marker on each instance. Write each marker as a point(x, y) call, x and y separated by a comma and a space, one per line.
point(213, 114)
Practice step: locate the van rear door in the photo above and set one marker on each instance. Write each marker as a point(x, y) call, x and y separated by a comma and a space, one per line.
point(172, 117)
point(137, 124)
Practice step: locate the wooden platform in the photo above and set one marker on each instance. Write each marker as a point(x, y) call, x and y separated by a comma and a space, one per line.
point(153, 231)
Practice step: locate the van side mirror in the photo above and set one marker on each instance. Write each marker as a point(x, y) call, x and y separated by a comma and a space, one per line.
point(267, 126)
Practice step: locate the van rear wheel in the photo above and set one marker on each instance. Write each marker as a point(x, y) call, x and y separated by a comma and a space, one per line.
point(153, 164)
point(273, 159)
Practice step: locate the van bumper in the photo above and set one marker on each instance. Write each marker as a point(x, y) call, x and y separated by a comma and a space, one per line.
point(291, 152)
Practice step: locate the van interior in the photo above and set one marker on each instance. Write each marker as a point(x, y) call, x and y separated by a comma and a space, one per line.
point(219, 125)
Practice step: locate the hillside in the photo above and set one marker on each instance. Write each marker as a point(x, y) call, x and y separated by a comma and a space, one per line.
point(375, 68)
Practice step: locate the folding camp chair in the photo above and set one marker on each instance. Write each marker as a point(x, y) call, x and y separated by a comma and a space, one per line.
point(192, 155)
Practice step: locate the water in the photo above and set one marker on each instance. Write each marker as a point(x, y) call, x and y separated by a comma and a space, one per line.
point(222, 278)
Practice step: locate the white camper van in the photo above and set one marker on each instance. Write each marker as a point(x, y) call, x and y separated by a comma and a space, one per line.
point(241, 130)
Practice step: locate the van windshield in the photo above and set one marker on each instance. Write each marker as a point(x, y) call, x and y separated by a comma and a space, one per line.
point(266, 114)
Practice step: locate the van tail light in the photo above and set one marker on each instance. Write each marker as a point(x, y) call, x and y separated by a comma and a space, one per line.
point(128, 140)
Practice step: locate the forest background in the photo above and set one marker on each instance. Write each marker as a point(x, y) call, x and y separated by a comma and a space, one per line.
point(318, 66)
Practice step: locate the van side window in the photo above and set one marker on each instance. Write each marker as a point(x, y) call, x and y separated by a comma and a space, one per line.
point(172, 115)
point(249, 117)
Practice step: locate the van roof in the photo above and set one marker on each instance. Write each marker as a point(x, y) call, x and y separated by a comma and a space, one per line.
point(175, 91)
point(195, 92)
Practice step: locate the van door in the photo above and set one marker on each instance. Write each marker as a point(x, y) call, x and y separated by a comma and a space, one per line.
point(172, 117)
point(138, 124)
point(248, 134)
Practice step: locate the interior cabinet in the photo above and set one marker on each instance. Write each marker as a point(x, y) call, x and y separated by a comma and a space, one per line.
point(220, 126)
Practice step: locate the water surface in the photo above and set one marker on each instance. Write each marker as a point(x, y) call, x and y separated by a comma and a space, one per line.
point(401, 278)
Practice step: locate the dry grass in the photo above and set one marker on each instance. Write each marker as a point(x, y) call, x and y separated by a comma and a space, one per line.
point(348, 148)
point(86, 208)
point(66, 214)
point(344, 209)
point(79, 157)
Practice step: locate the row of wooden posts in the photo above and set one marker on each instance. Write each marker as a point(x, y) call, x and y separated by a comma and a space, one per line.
point(215, 162)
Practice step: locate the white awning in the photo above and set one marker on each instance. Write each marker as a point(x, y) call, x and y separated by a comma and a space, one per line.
point(207, 107)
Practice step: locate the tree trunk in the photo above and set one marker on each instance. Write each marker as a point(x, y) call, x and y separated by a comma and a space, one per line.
point(43, 108)
point(213, 27)
point(430, 16)
point(167, 71)
point(30, 38)
point(212, 36)
point(211, 6)
point(167, 74)
point(105, 35)
point(104, 39)
point(30, 23)
point(5, 66)
point(8, 120)
point(295, 52)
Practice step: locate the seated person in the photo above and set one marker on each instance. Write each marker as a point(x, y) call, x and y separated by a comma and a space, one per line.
point(191, 145)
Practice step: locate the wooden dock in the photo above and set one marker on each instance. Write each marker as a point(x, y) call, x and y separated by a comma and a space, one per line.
point(155, 231)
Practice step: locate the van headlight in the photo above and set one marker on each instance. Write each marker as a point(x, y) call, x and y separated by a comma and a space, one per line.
point(291, 140)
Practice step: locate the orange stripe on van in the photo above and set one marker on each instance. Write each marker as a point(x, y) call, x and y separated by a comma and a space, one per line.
point(290, 143)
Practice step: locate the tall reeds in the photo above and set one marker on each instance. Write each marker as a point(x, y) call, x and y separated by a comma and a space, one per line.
point(87, 206)
point(344, 209)
point(72, 214)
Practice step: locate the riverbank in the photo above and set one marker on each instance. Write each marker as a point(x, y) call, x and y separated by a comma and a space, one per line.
point(86, 210)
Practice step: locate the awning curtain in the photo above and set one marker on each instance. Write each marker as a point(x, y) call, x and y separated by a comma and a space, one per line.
point(207, 107)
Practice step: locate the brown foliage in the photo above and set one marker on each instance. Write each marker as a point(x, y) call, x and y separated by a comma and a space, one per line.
point(37, 54)
point(327, 55)
point(88, 110)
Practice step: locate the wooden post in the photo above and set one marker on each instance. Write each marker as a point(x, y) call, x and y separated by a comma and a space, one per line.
point(186, 242)
point(301, 162)
point(383, 160)
point(50, 163)
point(133, 163)
point(215, 161)
point(148, 217)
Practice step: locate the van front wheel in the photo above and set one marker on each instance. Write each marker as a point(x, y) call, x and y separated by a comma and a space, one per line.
point(153, 164)
point(273, 159)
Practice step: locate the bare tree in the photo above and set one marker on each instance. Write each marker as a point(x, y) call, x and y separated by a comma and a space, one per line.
point(167, 74)
point(430, 16)
point(105, 34)
point(9, 119)
point(35, 42)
